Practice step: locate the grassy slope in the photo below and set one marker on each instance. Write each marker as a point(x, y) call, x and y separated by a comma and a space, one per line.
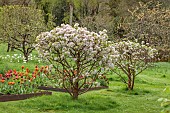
point(148, 88)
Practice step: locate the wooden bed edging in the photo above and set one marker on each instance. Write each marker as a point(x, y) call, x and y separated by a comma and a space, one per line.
point(64, 90)
point(4, 98)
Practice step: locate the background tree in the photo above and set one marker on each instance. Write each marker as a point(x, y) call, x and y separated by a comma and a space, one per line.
point(93, 14)
point(150, 23)
point(58, 11)
point(46, 6)
point(20, 25)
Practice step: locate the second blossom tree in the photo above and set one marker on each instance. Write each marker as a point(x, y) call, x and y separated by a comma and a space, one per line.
point(80, 57)
point(133, 59)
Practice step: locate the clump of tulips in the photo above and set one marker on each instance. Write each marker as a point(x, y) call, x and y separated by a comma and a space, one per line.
point(24, 81)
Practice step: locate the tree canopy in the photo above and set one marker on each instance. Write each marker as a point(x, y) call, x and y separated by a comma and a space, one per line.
point(19, 26)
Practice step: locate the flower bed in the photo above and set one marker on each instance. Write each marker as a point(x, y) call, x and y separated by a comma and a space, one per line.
point(19, 85)
point(4, 98)
point(22, 82)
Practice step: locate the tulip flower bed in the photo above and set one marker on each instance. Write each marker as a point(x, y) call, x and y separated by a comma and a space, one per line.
point(19, 83)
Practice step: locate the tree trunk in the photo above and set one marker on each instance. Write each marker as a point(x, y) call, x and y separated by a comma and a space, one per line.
point(8, 47)
point(71, 13)
point(26, 56)
point(75, 92)
point(133, 81)
point(129, 83)
point(12, 48)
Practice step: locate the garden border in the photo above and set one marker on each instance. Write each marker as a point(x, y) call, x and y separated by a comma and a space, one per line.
point(15, 97)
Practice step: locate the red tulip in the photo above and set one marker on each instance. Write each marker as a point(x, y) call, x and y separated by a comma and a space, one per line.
point(22, 67)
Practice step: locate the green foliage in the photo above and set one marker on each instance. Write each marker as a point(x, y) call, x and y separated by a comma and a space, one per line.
point(58, 11)
point(93, 14)
point(47, 7)
point(19, 27)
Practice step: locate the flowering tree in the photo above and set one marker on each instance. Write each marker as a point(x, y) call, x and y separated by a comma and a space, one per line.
point(133, 59)
point(79, 57)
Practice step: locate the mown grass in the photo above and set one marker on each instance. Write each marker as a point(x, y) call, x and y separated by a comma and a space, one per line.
point(116, 99)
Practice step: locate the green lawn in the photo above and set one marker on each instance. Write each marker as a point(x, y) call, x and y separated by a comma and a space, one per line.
point(148, 89)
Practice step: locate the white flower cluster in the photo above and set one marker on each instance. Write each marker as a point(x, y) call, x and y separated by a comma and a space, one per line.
point(134, 55)
point(67, 45)
point(136, 50)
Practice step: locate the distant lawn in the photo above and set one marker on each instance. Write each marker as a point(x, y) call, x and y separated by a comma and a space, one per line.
point(148, 88)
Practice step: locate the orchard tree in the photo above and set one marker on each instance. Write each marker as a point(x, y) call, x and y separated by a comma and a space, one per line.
point(133, 59)
point(19, 27)
point(79, 56)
